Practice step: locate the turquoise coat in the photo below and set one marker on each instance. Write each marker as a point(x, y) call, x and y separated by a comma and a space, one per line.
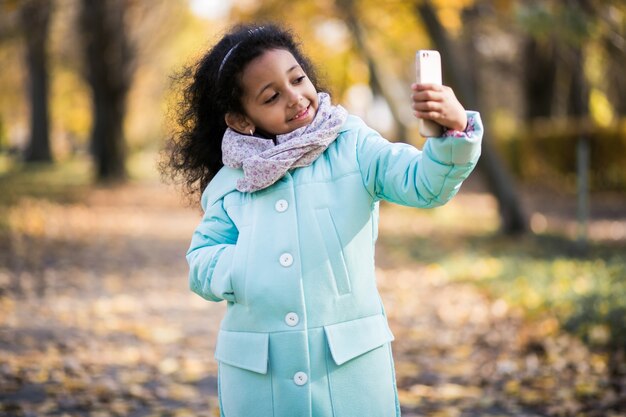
point(305, 333)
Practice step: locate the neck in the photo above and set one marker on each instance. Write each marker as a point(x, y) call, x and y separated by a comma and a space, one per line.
point(265, 135)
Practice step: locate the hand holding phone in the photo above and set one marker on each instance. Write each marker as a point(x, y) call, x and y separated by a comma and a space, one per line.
point(428, 71)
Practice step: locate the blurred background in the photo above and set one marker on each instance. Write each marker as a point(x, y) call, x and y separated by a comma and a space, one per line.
point(508, 301)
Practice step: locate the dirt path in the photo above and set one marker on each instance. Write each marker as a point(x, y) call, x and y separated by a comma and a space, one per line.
point(96, 319)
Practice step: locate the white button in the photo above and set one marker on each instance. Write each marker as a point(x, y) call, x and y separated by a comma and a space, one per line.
point(281, 205)
point(292, 319)
point(300, 378)
point(286, 259)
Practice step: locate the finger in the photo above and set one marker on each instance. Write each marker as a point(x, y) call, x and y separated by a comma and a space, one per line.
point(428, 95)
point(430, 115)
point(427, 106)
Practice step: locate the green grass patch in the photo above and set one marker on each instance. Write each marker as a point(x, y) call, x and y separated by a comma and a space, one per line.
point(586, 293)
point(66, 181)
point(6, 163)
point(60, 182)
point(540, 274)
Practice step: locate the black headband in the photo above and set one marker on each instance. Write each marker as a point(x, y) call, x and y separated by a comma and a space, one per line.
point(251, 33)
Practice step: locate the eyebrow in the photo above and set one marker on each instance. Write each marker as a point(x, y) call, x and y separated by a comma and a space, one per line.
point(270, 84)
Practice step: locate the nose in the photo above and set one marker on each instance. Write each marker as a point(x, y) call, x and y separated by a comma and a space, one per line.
point(294, 97)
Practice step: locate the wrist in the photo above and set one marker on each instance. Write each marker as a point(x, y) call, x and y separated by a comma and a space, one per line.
point(461, 124)
point(457, 127)
point(467, 130)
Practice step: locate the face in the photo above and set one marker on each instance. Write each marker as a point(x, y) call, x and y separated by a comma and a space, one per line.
point(278, 95)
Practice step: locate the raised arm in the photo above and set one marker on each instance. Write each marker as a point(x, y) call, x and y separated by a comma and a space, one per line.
point(403, 174)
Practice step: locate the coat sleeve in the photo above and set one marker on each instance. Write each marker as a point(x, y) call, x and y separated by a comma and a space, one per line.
point(403, 174)
point(211, 252)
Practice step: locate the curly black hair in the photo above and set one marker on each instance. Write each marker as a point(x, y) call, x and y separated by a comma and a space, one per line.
point(211, 88)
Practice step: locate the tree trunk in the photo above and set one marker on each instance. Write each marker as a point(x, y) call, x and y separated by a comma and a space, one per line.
point(578, 100)
point(540, 77)
point(109, 67)
point(499, 180)
point(35, 19)
point(615, 76)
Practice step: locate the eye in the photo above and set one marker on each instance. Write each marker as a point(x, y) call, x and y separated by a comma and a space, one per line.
point(299, 79)
point(271, 99)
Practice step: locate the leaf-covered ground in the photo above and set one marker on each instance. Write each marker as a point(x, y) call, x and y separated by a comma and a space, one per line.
point(96, 318)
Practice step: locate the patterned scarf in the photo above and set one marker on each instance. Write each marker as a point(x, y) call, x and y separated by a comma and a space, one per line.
point(264, 163)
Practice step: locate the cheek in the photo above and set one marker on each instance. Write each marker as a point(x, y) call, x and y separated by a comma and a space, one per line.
point(248, 110)
point(313, 94)
point(316, 102)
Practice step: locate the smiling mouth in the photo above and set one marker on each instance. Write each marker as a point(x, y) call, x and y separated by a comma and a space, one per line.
point(303, 113)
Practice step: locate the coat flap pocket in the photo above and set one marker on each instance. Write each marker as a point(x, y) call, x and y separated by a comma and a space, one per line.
point(244, 350)
point(352, 338)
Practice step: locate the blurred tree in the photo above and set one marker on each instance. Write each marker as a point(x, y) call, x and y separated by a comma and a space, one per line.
point(110, 64)
point(614, 41)
point(163, 33)
point(561, 35)
point(499, 180)
point(376, 77)
point(540, 70)
point(35, 22)
point(9, 31)
point(555, 35)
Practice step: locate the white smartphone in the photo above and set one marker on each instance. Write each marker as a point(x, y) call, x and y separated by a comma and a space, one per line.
point(428, 71)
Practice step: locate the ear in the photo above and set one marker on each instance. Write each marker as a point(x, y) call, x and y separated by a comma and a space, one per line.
point(239, 122)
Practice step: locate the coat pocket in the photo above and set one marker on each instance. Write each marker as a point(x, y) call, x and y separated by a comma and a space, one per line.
point(245, 384)
point(334, 250)
point(245, 350)
point(239, 265)
point(353, 338)
point(360, 368)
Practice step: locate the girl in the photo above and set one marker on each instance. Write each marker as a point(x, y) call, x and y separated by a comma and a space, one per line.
point(291, 190)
